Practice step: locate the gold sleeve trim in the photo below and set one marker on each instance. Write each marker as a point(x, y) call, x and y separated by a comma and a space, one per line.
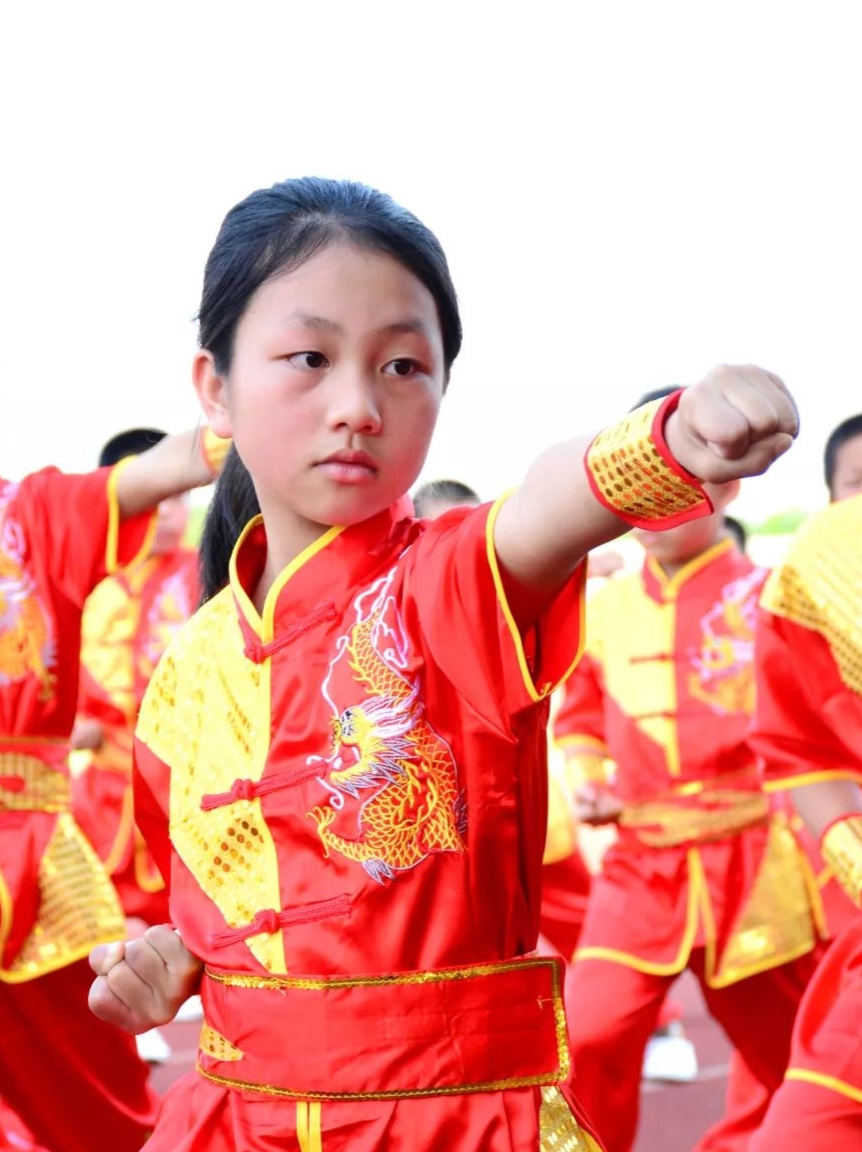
point(112, 560)
point(632, 473)
point(536, 692)
point(841, 848)
point(830, 1082)
point(817, 586)
point(214, 449)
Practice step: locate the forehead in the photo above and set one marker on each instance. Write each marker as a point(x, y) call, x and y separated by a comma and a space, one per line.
point(849, 454)
point(344, 279)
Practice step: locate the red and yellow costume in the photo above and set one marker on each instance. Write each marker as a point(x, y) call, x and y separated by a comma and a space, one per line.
point(128, 622)
point(59, 535)
point(808, 729)
point(665, 691)
point(565, 876)
point(349, 795)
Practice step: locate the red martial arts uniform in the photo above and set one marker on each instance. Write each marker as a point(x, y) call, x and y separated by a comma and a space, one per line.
point(665, 690)
point(76, 1082)
point(565, 875)
point(129, 620)
point(808, 728)
point(349, 795)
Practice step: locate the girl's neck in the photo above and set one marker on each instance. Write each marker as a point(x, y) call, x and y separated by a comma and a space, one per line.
point(284, 543)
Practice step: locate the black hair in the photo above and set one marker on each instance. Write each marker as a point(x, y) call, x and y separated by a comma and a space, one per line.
point(132, 442)
point(656, 394)
point(450, 491)
point(737, 530)
point(848, 429)
point(273, 231)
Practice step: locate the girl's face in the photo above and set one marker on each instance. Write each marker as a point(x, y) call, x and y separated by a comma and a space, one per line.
point(334, 389)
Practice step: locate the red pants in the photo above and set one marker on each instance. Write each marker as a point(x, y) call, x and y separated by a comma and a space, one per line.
point(613, 1010)
point(77, 1083)
point(823, 1113)
point(565, 892)
point(812, 1117)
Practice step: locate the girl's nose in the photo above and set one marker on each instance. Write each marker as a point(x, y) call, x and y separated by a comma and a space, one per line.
point(354, 403)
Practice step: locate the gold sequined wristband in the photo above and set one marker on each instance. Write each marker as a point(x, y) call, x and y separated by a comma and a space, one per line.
point(632, 472)
point(213, 450)
point(841, 848)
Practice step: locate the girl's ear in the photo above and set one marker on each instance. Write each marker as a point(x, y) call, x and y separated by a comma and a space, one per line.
point(211, 392)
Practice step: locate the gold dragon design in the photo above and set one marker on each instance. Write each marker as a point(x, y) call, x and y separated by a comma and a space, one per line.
point(723, 676)
point(384, 754)
point(27, 646)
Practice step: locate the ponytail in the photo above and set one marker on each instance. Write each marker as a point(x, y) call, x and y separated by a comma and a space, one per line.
point(233, 504)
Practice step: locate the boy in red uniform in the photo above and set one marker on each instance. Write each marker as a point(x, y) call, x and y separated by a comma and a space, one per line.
point(808, 730)
point(341, 761)
point(665, 692)
point(75, 1082)
point(128, 622)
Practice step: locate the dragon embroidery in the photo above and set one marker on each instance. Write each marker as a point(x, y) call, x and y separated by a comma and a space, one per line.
point(723, 675)
point(27, 647)
point(392, 781)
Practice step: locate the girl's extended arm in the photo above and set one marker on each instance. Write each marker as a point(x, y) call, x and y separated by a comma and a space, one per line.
point(732, 424)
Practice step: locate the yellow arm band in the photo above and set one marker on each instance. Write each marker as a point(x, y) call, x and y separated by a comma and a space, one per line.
point(213, 450)
point(841, 848)
point(632, 472)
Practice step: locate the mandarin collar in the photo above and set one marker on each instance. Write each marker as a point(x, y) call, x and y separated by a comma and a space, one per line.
point(306, 591)
point(663, 588)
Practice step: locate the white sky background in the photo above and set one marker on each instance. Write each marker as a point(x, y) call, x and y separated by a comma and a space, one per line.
point(628, 193)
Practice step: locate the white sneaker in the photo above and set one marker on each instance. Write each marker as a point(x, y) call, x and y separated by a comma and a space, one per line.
point(153, 1047)
point(190, 1009)
point(670, 1056)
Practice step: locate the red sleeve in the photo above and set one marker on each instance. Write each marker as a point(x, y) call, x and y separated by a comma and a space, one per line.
point(151, 778)
point(73, 522)
point(467, 629)
point(581, 715)
point(806, 720)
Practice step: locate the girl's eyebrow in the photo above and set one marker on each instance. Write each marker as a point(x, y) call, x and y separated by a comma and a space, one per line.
point(405, 327)
point(399, 327)
point(311, 321)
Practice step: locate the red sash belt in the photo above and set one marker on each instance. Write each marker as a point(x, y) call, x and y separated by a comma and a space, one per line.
point(481, 1028)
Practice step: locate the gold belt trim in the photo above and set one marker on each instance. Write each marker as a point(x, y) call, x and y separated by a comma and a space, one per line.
point(501, 995)
point(715, 816)
point(29, 784)
point(385, 979)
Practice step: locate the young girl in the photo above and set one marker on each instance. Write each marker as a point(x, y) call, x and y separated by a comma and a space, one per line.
point(341, 759)
point(76, 1083)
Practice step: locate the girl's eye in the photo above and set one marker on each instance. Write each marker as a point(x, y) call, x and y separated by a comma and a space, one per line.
point(401, 367)
point(308, 359)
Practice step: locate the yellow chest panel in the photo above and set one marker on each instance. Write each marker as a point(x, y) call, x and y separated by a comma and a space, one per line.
point(211, 725)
